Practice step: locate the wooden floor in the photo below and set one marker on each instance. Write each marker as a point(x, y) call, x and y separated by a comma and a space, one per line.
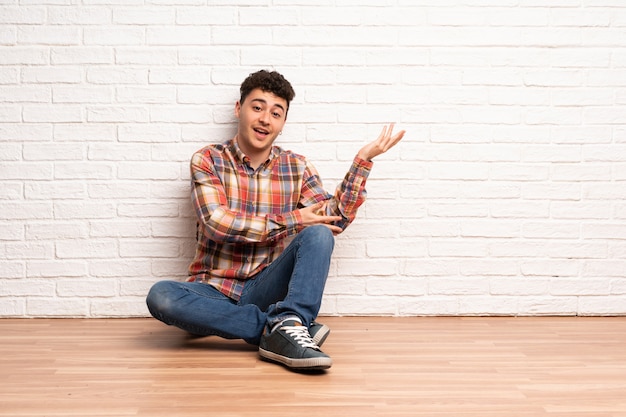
point(420, 366)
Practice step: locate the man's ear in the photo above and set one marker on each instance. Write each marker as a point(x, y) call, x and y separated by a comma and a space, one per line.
point(237, 109)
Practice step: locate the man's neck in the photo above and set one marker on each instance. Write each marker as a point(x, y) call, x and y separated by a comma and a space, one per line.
point(256, 159)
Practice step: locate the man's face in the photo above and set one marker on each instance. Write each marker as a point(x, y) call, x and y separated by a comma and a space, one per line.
point(262, 116)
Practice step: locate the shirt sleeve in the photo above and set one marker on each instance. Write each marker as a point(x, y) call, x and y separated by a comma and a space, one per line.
point(223, 225)
point(349, 195)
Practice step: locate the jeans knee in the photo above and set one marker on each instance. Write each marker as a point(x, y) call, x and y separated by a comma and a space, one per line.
point(158, 300)
point(320, 236)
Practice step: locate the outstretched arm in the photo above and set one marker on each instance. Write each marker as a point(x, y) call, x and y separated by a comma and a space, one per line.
point(350, 194)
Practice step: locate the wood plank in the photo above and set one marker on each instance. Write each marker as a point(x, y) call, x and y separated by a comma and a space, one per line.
point(383, 366)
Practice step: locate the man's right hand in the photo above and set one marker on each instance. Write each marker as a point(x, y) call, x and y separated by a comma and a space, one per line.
point(314, 214)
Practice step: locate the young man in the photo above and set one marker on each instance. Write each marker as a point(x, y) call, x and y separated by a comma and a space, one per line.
point(252, 198)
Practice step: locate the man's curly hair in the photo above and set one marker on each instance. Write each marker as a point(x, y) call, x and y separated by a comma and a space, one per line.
point(270, 82)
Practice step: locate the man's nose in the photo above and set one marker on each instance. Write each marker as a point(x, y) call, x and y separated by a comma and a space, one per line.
point(264, 117)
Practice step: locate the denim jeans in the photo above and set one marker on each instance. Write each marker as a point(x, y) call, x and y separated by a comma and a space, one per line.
point(291, 285)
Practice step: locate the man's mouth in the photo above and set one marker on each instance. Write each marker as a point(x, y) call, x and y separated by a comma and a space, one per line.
point(261, 131)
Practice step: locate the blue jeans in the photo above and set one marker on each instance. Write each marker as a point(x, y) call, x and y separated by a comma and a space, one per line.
point(291, 285)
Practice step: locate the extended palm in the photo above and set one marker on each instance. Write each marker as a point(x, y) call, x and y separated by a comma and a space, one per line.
point(382, 144)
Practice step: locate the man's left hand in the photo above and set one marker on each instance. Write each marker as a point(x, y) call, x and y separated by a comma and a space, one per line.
point(382, 144)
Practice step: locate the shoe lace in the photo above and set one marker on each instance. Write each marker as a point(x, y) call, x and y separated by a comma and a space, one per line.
point(301, 335)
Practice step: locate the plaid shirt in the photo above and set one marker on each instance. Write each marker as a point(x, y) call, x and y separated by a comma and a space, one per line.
point(244, 215)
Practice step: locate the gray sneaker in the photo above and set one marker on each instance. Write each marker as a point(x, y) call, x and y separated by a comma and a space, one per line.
point(291, 345)
point(319, 332)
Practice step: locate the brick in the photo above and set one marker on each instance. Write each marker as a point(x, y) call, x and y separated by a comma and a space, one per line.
point(180, 114)
point(602, 306)
point(52, 152)
point(148, 171)
point(399, 248)
point(120, 36)
point(147, 133)
point(400, 286)
point(86, 288)
point(11, 152)
point(143, 210)
point(52, 113)
point(186, 35)
point(117, 114)
point(26, 210)
point(202, 55)
point(36, 75)
point(488, 306)
point(170, 268)
point(119, 190)
point(10, 114)
point(11, 270)
point(19, 55)
point(26, 94)
point(580, 287)
point(346, 285)
point(116, 151)
point(135, 287)
point(459, 286)
point(367, 267)
point(55, 268)
point(618, 286)
point(84, 133)
point(117, 76)
point(604, 268)
point(359, 305)
point(48, 35)
point(179, 76)
point(429, 306)
point(112, 268)
point(44, 190)
point(548, 306)
point(9, 75)
point(83, 170)
point(73, 210)
point(86, 249)
point(149, 95)
point(143, 16)
point(119, 228)
point(216, 15)
point(81, 55)
point(55, 230)
point(119, 307)
point(149, 248)
point(22, 15)
point(27, 288)
point(452, 247)
point(142, 56)
point(527, 287)
point(11, 191)
point(551, 230)
point(11, 231)
point(82, 95)
point(57, 307)
point(12, 308)
point(79, 15)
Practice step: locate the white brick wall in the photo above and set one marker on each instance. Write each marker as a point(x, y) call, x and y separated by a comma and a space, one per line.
point(506, 196)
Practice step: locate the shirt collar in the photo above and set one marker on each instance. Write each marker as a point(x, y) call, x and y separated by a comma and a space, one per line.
point(242, 157)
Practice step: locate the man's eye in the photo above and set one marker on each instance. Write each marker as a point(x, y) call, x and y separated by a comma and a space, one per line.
point(256, 108)
point(277, 115)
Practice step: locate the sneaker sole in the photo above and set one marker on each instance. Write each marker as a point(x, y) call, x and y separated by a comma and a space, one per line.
point(299, 364)
point(321, 335)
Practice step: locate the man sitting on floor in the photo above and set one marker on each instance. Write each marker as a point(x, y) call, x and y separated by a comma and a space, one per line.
point(247, 280)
